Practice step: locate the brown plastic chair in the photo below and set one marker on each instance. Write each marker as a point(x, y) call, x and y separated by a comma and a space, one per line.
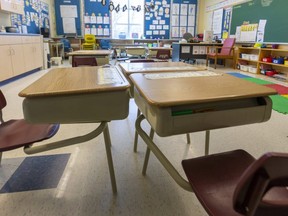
point(141, 60)
point(226, 52)
point(234, 183)
point(163, 54)
point(83, 61)
point(18, 133)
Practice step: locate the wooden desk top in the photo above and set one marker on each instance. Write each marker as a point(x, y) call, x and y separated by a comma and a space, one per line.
point(155, 67)
point(135, 47)
point(90, 52)
point(188, 90)
point(77, 80)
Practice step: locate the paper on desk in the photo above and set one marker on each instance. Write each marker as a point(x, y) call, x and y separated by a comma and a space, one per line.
point(108, 76)
point(182, 74)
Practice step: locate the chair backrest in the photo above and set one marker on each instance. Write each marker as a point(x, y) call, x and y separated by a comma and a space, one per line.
point(3, 104)
point(141, 60)
point(187, 36)
point(270, 170)
point(83, 61)
point(66, 43)
point(163, 54)
point(227, 46)
point(90, 38)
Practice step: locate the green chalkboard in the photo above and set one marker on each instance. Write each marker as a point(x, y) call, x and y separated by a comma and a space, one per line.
point(274, 11)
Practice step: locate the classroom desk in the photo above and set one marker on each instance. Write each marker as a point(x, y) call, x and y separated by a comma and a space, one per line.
point(137, 51)
point(102, 56)
point(152, 51)
point(58, 47)
point(177, 105)
point(155, 67)
point(191, 51)
point(78, 95)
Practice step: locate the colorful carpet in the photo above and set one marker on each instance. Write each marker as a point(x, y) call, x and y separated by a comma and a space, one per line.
point(280, 101)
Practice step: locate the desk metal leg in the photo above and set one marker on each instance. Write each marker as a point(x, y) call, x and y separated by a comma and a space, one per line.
point(188, 138)
point(109, 158)
point(151, 135)
point(161, 157)
point(103, 127)
point(136, 134)
point(207, 142)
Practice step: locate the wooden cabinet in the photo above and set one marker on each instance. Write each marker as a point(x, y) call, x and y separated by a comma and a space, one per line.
point(251, 60)
point(13, 6)
point(19, 54)
point(33, 54)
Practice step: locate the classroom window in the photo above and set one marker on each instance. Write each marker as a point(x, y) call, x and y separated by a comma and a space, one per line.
point(130, 23)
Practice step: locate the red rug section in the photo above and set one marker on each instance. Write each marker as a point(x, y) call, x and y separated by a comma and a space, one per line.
point(279, 88)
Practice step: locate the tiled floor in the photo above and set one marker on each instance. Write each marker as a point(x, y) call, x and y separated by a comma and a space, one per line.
point(85, 189)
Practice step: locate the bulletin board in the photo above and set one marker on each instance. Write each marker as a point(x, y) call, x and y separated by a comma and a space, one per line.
point(36, 16)
point(226, 22)
point(67, 14)
point(96, 18)
point(183, 17)
point(157, 19)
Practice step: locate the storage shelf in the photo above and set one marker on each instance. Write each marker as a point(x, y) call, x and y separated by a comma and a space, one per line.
point(278, 65)
point(241, 59)
point(263, 52)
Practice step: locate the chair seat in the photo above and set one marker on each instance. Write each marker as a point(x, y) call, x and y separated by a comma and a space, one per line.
point(219, 184)
point(19, 133)
point(214, 179)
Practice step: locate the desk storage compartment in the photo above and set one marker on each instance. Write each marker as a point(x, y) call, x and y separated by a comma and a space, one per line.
point(93, 107)
point(168, 121)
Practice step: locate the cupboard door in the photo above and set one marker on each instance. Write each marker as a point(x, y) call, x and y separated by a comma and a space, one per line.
point(28, 56)
point(5, 63)
point(38, 55)
point(17, 57)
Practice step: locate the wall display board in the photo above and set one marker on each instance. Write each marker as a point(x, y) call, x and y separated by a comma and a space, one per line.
point(96, 17)
point(36, 16)
point(226, 22)
point(157, 19)
point(183, 17)
point(217, 22)
point(269, 15)
point(67, 13)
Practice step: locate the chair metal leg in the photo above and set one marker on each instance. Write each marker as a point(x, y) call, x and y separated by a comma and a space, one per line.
point(136, 134)
point(109, 158)
point(151, 135)
point(207, 142)
point(0, 157)
point(188, 138)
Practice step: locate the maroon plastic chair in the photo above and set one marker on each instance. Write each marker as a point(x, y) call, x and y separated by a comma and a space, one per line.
point(83, 61)
point(18, 133)
point(163, 54)
point(234, 183)
point(141, 60)
point(226, 52)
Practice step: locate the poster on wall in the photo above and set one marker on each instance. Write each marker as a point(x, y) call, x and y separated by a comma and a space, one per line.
point(97, 18)
point(157, 19)
point(226, 22)
point(36, 15)
point(183, 17)
point(217, 20)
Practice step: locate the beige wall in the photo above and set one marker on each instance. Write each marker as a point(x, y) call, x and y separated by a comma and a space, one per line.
point(205, 17)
